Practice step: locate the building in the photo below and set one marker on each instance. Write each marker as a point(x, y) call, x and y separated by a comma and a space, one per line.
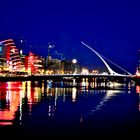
point(2, 60)
point(54, 66)
point(71, 67)
point(10, 53)
point(34, 64)
point(22, 56)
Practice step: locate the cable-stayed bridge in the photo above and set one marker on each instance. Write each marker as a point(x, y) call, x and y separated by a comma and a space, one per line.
point(103, 59)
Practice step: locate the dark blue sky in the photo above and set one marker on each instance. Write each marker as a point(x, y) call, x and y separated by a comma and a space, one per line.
point(110, 27)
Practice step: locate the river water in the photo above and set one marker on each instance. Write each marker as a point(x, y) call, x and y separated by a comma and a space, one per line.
point(28, 110)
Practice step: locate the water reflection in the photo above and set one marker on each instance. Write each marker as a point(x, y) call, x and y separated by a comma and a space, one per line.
point(108, 96)
point(9, 101)
point(74, 90)
point(138, 92)
point(13, 96)
point(23, 100)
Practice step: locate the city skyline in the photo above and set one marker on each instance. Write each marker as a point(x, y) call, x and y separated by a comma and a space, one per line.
point(111, 28)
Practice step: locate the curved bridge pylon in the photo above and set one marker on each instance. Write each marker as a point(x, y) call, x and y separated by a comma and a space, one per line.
point(112, 72)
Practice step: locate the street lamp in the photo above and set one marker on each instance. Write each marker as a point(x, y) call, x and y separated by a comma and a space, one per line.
point(74, 61)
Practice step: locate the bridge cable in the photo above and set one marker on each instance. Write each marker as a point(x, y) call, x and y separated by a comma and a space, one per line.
point(101, 57)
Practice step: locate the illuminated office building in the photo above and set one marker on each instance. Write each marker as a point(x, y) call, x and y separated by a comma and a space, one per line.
point(33, 64)
point(10, 53)
point(2, 60)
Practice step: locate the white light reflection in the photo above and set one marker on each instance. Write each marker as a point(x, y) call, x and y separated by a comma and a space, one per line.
point(8, 85)
point(22, 94)
point(8, 96)
point(74, 82)
point(36, 93)
point(81, 119)
point(49, 111)
point(83, 83)
point(74, 91)
point(29, 90)
point(109, 95)
point(20, 106)
point(64, 96)
point(42, 89)
point(114, 84)
point(29, 96)
point(56, 94)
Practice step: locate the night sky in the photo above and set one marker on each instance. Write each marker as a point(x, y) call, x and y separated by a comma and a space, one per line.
point(111, 27)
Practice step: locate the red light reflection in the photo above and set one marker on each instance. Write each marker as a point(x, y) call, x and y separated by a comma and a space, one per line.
point(9, 102)
point(138, 92)
point(137, 89)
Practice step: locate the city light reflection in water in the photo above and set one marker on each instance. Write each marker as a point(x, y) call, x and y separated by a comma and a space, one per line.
point(138, 92)
point(33, 103)
point(12, 95)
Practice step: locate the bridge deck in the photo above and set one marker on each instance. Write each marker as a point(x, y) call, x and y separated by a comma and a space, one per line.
point(65, 76)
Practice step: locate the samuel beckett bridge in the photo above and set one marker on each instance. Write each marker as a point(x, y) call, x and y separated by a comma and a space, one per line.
point(102, 58)
point(76, 78)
